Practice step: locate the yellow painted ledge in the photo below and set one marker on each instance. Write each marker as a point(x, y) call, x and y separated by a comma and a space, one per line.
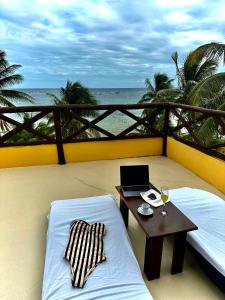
point(23, 156)
point(207, 167)
point(100, 150)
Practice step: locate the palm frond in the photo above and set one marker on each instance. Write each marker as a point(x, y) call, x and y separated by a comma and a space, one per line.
point(4, 126)
point(149, 85)
point(147, 97)
point(5, 102)
point(93, 133)
point(74, 93)
point(17, 95)
point(207, 88)
point(168, 95)
point(203, 61)
point(215, 101)
point(209, 130)
point(206, 131)
point(206, 69)
point(191, 66)
point(162, 81)
point(54, 98)
point(213, 51)
point(7, 79)
point(10, 80)
point(3, 61)
point(6, 71)
point(179, 71)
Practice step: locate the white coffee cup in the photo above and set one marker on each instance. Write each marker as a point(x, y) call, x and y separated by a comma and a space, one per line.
point(145, 207)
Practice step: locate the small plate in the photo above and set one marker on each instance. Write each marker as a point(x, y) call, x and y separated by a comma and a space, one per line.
point(149, 212)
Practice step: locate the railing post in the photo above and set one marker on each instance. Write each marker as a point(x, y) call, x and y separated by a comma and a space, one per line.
point(165, 130)
point(58, 137)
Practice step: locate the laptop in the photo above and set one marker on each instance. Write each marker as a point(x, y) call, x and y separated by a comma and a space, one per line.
point(134, 179)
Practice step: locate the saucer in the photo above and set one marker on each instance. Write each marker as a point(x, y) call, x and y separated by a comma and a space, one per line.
point(148, 212)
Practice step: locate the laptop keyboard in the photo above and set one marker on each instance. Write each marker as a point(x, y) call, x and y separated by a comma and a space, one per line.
point(135, 188)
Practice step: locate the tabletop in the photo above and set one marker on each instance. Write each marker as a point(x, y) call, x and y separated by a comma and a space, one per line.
point(157, 225)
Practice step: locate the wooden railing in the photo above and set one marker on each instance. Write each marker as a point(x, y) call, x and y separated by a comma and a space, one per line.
point(67, 124)
point(193, 128)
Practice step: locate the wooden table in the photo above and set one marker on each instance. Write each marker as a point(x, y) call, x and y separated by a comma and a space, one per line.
point(155, 228)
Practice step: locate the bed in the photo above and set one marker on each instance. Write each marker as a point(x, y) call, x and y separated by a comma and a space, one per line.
point(207, 211)
point(117, 278)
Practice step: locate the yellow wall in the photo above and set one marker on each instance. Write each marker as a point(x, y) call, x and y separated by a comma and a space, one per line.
point(207, 167)
point(22, 156)
point(86, 151)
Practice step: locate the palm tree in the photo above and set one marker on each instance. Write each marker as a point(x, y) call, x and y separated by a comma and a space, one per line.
point(199, 65)
point(161, 81)
point(7, 79)
point(199, 85)
point(75, 93)
point(210, 93)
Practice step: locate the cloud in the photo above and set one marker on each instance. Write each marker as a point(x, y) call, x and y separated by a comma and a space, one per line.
point(179, 3)
point(104, 43)
point(177, 17)
point(182, 39)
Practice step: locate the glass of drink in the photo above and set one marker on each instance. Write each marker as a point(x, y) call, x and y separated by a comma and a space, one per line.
point(164, 197)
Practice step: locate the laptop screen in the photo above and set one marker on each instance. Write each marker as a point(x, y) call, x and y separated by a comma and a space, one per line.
point(134, 175)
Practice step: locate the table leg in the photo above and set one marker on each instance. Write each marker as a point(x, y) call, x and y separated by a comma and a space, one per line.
point(153, 257)
point(124, 211)
point(178, 252)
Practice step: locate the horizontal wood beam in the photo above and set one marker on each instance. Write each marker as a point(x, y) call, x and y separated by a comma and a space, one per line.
point(50, 108)
point(36, 143)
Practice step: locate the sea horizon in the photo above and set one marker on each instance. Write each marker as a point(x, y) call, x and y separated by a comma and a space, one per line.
point(102, 95)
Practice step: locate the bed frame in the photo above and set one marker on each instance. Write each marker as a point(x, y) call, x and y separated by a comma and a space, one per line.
point(212, 272)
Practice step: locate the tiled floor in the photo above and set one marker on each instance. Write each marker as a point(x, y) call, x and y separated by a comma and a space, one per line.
point(25, 196)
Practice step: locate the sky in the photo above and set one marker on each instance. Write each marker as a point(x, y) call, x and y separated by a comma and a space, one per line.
point(101, 43)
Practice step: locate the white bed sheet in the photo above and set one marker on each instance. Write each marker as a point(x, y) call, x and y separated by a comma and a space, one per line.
point(117, 278)
point(207, 211)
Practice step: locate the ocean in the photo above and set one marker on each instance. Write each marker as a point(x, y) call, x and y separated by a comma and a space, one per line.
point(115, 122)
point(103, 96)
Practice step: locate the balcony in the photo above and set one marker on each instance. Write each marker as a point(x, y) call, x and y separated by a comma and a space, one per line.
point(92, 168)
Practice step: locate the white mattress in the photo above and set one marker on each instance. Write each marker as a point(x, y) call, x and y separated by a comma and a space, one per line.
point(207, 211)
point(119, 277)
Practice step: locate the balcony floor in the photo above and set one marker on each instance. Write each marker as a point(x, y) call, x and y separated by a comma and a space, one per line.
point(26, 194)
